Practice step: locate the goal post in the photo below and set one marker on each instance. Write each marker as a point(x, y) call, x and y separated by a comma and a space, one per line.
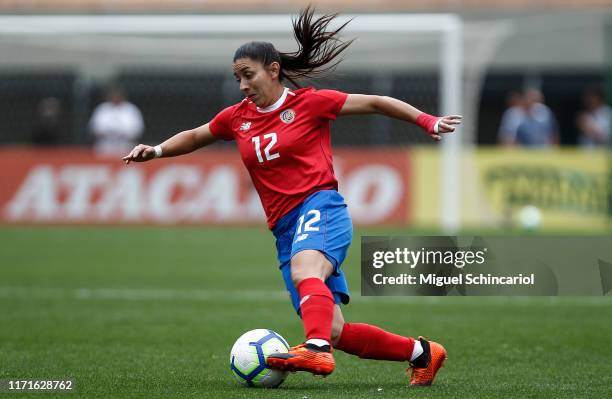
point(98, 43)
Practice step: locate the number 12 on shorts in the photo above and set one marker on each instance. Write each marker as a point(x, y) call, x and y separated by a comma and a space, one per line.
point(315, 216)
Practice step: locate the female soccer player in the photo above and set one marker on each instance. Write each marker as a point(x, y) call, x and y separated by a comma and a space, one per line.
point(283, 136)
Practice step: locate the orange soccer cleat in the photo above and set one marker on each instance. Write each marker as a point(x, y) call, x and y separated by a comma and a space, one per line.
point(426, 366)
point(304, 357)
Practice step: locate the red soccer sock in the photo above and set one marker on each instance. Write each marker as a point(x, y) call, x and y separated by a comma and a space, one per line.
point(317, 308)
point(371, 342)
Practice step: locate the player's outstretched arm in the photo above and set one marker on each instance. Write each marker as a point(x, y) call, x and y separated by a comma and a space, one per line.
point(369, 104)
point(179, 144)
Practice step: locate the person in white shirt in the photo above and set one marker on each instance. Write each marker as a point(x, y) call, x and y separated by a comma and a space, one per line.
point(595, 122)
point(116, 124)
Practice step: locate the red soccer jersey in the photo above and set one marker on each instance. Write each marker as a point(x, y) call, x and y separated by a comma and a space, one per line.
point(286, 147)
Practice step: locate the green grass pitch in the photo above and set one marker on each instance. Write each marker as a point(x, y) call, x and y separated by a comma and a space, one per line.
point(153, 312)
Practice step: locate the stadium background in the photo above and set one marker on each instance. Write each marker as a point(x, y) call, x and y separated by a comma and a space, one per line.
point(135, 282)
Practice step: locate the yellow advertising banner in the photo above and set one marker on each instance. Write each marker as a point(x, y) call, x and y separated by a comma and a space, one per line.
point(563, 190)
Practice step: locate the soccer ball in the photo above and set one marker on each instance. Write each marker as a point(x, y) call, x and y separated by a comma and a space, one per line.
point(249, 354)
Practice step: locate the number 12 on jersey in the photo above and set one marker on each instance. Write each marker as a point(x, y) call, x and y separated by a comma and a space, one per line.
point(272, 140)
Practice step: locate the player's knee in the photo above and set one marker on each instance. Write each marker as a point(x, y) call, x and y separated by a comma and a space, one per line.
point(300, 272)
point(309, 264)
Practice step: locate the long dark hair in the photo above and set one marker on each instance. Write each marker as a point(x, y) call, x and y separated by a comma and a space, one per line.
point(318, 48)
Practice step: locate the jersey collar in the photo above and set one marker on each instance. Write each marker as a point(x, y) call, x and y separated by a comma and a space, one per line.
point(277, 104)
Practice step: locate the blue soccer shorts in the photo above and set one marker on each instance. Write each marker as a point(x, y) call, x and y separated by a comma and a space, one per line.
point(321, 223)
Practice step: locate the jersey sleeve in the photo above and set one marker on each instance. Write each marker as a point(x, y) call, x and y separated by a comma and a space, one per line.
point(328, 103)
point(221, 125)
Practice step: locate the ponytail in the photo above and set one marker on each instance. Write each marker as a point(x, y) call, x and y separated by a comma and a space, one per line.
point(318, 48)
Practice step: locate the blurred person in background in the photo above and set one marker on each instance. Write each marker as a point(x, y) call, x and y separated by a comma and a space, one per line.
point(512, 118)
point(595, 122)
point(116, 124)
point(47, 130)
point(538, 127)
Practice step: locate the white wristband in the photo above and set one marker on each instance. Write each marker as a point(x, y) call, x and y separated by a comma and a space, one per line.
point(436, 128)
point(158, 151)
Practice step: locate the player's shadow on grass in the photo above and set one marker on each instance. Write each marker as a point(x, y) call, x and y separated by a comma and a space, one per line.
point(307, 386)
point(320, 384)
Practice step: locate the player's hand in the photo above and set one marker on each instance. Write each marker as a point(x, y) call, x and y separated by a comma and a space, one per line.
point(140, 153)
point(445, 124)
